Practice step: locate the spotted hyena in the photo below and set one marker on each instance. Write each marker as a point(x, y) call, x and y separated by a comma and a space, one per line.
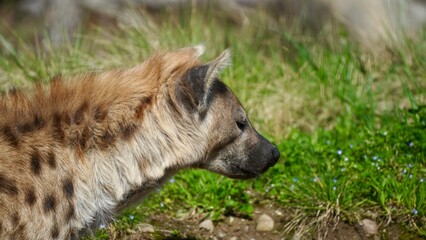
point(76, 152)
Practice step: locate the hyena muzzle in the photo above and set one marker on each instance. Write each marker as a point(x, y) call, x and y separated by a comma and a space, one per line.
point(78, 151)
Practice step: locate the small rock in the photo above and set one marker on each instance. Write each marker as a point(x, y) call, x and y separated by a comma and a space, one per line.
point(265, 223)
point(231, 220)
point(233, 238)
point(246, 228)
point(207, 224)
point(221, 235)
point(370, 227)
point(146, 228)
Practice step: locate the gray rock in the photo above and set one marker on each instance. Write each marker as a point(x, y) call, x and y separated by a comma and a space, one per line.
point(207, 225)
point(265, 223)
point(221, 235)
point(370, 227)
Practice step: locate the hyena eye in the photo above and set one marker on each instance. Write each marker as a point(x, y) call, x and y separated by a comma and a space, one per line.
point(242, 124)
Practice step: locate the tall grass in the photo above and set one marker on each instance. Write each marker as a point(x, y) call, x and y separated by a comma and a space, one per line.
point(350, 124)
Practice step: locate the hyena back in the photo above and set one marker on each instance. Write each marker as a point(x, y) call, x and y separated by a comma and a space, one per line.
point(77, 151)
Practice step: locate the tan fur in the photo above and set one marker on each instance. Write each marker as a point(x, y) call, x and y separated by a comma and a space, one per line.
point(84, 126)
point(76, 152)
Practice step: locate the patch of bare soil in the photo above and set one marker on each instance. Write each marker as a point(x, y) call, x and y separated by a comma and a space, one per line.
point(234, 228)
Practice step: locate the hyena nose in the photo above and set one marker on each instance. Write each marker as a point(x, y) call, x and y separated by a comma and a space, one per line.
point(276, 154)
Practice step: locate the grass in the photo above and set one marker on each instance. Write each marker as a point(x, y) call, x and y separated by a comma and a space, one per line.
point(350, 125)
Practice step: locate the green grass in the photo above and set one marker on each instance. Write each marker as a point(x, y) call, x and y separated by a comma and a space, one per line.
point(339, 173)
point(350, 125)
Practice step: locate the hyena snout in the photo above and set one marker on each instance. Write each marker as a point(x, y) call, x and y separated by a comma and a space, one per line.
point(275, 156)
point(269, 153)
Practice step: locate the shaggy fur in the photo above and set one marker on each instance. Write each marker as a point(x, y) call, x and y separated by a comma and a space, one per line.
point(76, 152)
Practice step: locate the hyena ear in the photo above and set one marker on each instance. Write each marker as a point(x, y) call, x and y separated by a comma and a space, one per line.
point(200, 81)
point(214, 68)
point(193, 93)
point(197, 50)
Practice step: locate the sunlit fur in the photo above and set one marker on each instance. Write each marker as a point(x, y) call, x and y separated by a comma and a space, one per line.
point(78, 151)
point(113, 134)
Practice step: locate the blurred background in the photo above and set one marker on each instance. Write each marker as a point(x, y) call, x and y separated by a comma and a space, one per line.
point(378, 23)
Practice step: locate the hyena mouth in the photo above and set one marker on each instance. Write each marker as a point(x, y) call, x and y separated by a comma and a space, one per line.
point(242, 173)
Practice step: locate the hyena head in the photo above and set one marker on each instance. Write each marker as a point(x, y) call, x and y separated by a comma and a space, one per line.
point(235, 148)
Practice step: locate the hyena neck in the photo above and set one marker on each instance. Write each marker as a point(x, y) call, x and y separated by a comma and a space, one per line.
point(126, 173)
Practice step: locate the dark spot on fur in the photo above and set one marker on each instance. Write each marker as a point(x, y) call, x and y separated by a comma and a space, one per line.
point(85, 136)
point(30, 197)
point(79, 114)
point(140, 109)
point(1, 227)
point(26, 127)
point(127, 130)
point(70, 213)
point(107, 140)
point(55, 232)
point(37, 123)
point(68, 188)
point(58, 132)
point(10, 136)
point(36, 163)
point(100, 114)
point(8, 186)
point(49, 204)
point(67, 119)
point(51, 160)
point(15, 219)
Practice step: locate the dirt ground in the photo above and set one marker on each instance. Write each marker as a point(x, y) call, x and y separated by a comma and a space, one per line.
point(235, 228)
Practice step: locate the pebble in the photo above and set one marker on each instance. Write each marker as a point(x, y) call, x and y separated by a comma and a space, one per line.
point(207, 225)
point(233, 238)
point(221, 235)
point(265, 223)
point(370, 227)
point(231, 220)
point(278, 213)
